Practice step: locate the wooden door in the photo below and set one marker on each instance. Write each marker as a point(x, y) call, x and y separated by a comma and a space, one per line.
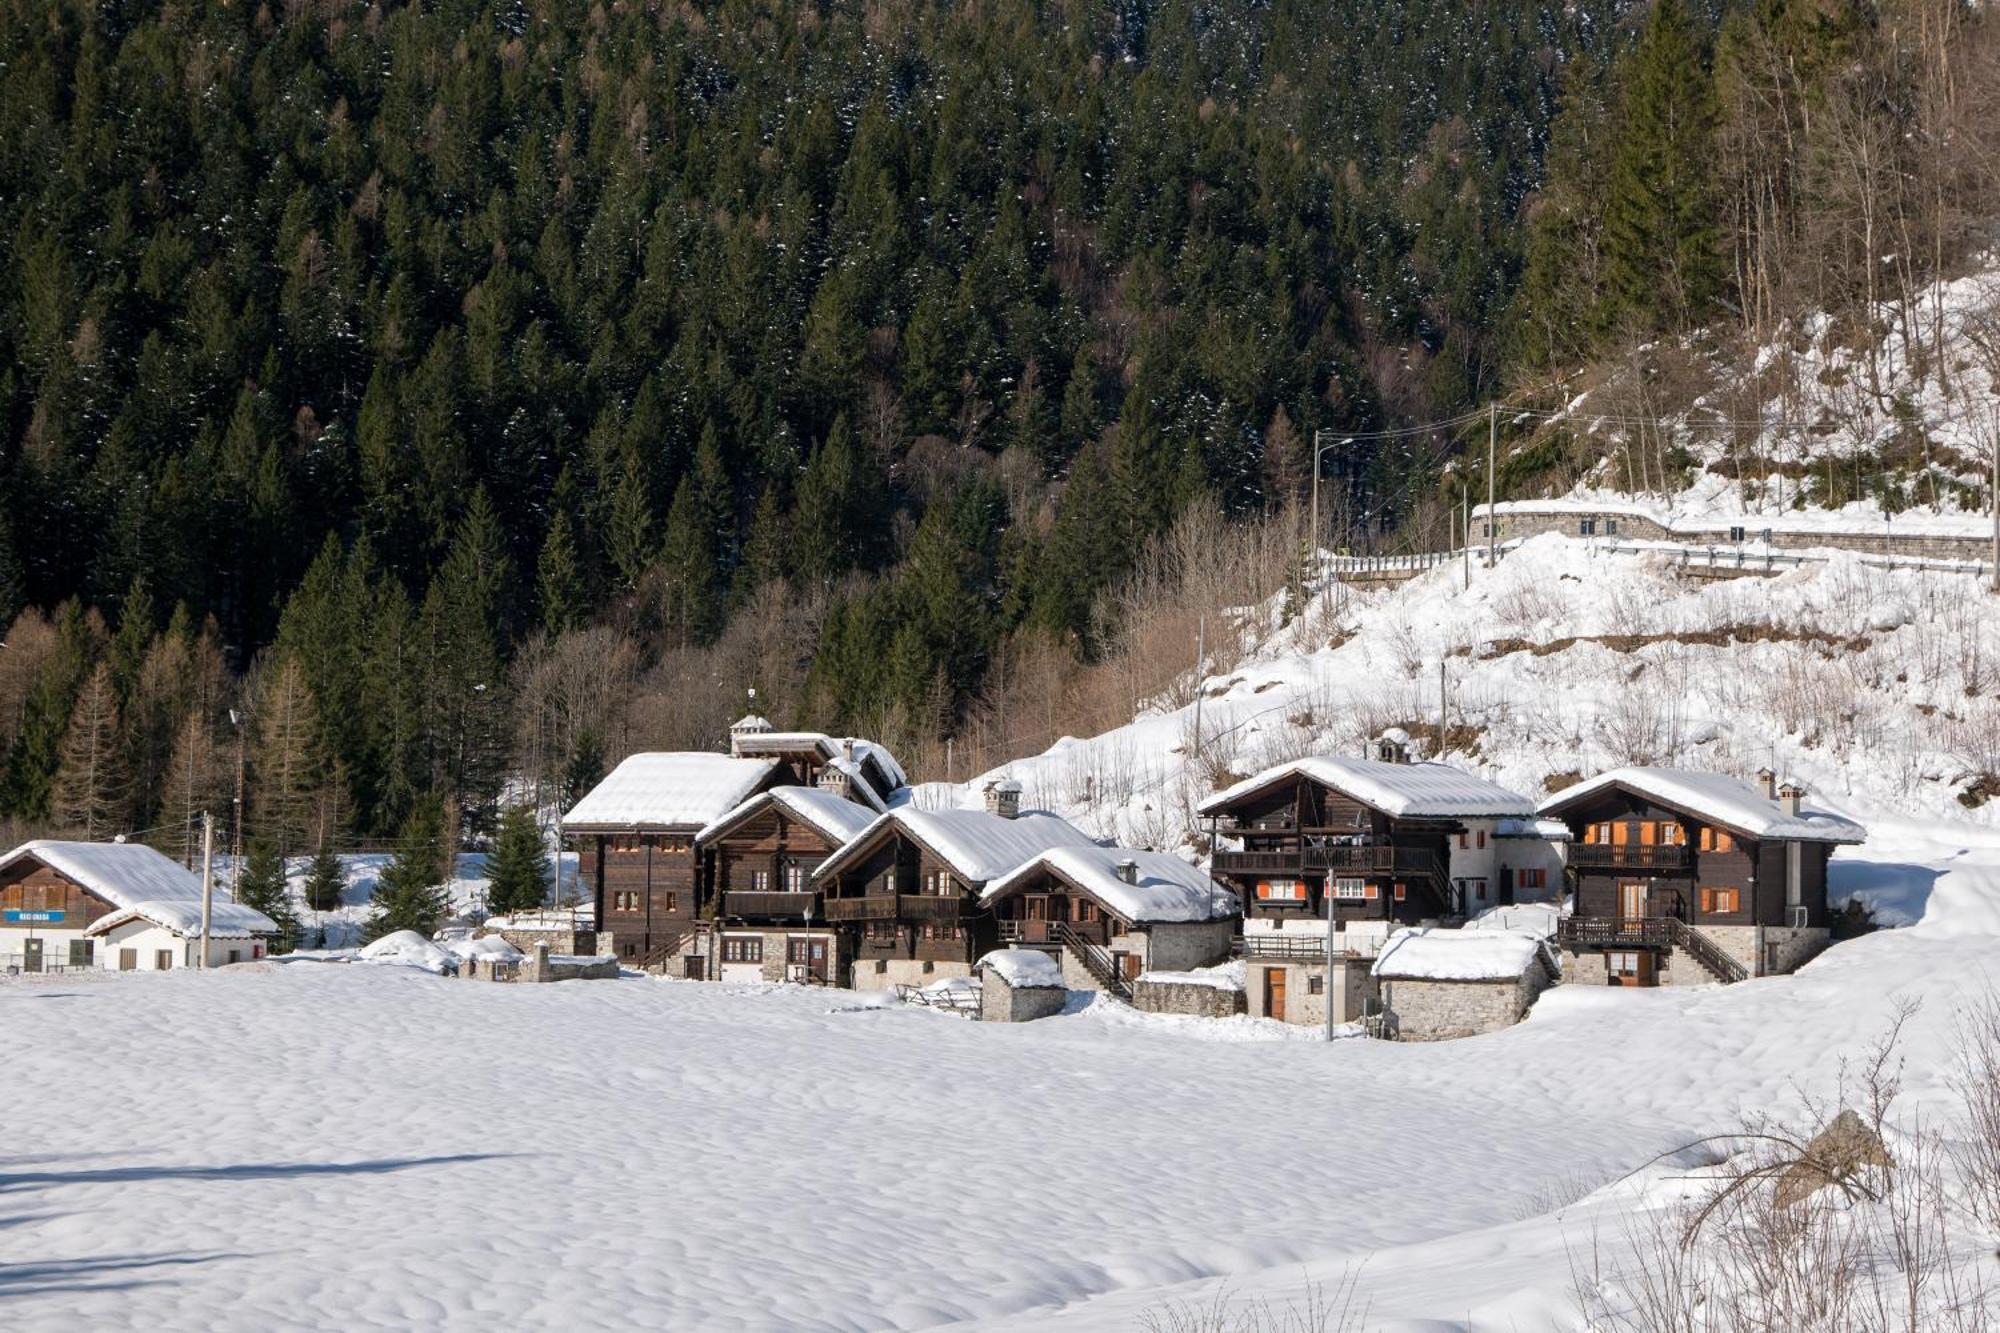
point(693, 967)
point(1632, 899)
point(128, 960)
point(1274, 993)
point(31, 955)
point(816, 959)
point(1128, 965)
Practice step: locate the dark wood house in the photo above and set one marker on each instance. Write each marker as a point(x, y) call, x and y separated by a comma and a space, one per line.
point(636, 855)
point(908, 889)
point(1688, 877)
point(768, 922)
point(1332, 853)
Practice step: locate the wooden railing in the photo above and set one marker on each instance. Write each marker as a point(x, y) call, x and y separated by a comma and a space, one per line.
point(898, 906)
point(1382, 859)
point(1629, 856)
point(663, 953)
point(1720, 963)
point(1645, 932)
point(868, 907)
point(757, 902)
point(1096, 959)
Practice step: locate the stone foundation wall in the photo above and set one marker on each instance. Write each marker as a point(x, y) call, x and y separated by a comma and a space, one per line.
point(1180, 997)
point(1002, 1003)
point(1796, 945)
point(903, 972)
point(1184, 946)
point(541, 966)
point(569, 942)
point(1354, 988)
point(1447, 1010)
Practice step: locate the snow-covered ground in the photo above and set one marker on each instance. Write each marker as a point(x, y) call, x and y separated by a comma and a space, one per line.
point(317, 1144)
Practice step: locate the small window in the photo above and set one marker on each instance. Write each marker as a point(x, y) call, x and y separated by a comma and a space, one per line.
point(798, 950)
point(760, 881)
point(1482, 840)
point(235, 955)
point(1532, 879)
point(1721, 900)
point(1281, 890)
point(1611, 527)
point(1402, 892)
point(1586, 527)
point(80, 952)
point(670, 902)
point(743, 949)
point(1463, 840)
point(795, 879)
point(1352, 889)
point(1736, 534)
point(163, 960)
point(1716, 840)
point(1316, 984)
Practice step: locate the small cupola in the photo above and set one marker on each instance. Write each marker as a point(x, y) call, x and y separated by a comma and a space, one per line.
point(1393, 746)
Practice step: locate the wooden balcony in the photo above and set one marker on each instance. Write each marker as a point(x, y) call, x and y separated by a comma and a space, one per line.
point(1616, 932)
point(755, 903)
point(1630, 856)
point(930, 907)
point(1296, 859)
point(869, 907)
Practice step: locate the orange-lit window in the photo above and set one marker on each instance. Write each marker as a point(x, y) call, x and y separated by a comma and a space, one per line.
point(1721, 900)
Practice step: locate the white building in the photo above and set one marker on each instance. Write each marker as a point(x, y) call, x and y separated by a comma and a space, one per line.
point(114, 905)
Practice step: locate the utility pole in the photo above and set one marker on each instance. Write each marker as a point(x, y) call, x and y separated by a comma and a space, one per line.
point(1993, 497)
point(236, 833)
point(1200, 657)
point(1327, 987)
point(207, 881)
point(1492, 455)
point(1444, 716)
point(1465, 527)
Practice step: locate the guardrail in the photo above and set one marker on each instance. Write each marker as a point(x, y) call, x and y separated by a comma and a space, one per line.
point(1650, 932)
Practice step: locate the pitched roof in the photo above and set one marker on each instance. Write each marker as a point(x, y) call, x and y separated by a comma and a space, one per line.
point(1021, 968)
point(139, 881)
point(1166, 888)
point(833, 817)
point(1715, 798)
point(685, 789)
point(978, 846)
point(1430, 954)
point(876, 790)
point(1402, 791)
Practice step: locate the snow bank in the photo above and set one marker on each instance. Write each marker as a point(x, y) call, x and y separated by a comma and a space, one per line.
point(1223, 976)
point(1021, 968)
point(1456, 955)
point(406, 948)
point(485, 946)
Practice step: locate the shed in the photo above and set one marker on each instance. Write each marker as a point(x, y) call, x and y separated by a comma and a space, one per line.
point(1018, 985)
point(1436, 985)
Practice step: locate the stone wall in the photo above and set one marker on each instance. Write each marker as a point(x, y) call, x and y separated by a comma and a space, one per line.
point(565, 940)
point(1002, 1003)
point(542, 966)
point(871, 974)
point(1796, 945)
point(1446, 1010)
point(1354, 989)
point(1183, 997)
point(1183, 946)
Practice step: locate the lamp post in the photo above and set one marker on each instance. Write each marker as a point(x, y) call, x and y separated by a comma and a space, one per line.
point(1320, 445)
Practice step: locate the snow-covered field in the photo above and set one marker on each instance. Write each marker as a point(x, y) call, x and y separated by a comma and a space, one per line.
point(313, 1144)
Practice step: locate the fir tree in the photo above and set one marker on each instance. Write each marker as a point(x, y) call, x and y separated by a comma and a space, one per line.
point(325, 881)
point(263, 887)
point(287, 766)
point(518, 869)
point(558, 584)
point(413, 892)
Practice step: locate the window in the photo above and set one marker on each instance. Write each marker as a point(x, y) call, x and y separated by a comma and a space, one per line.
point(80, 952)
point(1316, 984)
point(1622, 963)
point(1352, 889)
point(1715, 840)
point(670, 902)
point(798, 950)
point(1598, 834)
point(1586, 527)
point(625, 900)
point(163, 960)
point(1735, 534)
point(742, 948)
point(795, 879)
point(760, 881)
point(1402, 892)
point(1721, 900)
point(1281, 890)
point(1086, 910)
point(1611, 527)
point(1671, 834)
point(1531, 879)
point(1464, 840)
point(934, 931)
point(235, 955)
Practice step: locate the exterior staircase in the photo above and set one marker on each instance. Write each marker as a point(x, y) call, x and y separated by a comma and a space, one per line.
point(661, 954)
point(1096, 959)
point(1705, 952)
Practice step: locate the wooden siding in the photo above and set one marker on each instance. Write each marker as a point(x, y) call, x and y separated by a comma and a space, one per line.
point(31, 886)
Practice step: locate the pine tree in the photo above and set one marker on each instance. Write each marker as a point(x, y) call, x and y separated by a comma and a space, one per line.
point(1661, 247)
point(325, 881)
point(412, 892)
point(263, 887)
point(518, 870)
point(688, 567)
point(38, 743)
point(558, 584)
point(629, 538)
point(287, 767)
point(92, 792)
point(831, 506)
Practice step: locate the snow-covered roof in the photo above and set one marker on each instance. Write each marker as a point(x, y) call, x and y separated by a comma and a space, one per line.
point(835, 818)
point(1166, 888)
point(1715, 798)
point(407, 948)
point(140, 881)
point(1024, 967)
point(1430, 954)
point(978, 846)
point(833, 749)
point(685, 789)
point(1550, 830)
point(1403, 791)
point(226, 920)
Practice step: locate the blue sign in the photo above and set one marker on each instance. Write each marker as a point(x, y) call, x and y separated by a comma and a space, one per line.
point(20, 914)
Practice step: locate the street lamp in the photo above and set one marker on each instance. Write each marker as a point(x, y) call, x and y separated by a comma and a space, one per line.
point(1320, 445)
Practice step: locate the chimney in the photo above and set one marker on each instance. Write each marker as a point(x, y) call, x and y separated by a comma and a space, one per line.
point(1767, 783)
point(746, 726)
point(1789, 797)
point(1393, 746)
point(1003, 798)
point(1128, 870)
point(835, 779)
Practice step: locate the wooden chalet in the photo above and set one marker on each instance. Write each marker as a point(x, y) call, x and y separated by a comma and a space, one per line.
point(850, 766)
point(1333, 853)
point(767, 919)
point(907, 889)
point(636, 856)
point(1107, 914)
point(1687, 877)
point(69, 906)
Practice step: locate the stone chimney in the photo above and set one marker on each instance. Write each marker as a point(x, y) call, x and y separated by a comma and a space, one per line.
point(835, 779)
point(1767, 783)
point(746, 726)
point(1003, 798)
point(1393, 746)
point(1789, 797)
point(1128, 870)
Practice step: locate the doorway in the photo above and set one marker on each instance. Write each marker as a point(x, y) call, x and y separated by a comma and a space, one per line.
point(1632, 899)
point(1274, 993)
point(31, 955)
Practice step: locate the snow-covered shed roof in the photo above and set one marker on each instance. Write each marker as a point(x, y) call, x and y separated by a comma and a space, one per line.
point(978, 846)
point(1403, 791)
point(684, 789)
point(835, 818)
point(226, 920)
point(1715, 798)
point(1164, 887)
point(1549, 830)
point(124, 874)
point(1430, 954)
point(1024, 968)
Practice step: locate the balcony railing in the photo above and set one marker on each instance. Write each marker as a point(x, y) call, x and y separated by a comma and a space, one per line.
point(1629, 856)
point(930, 907)
point(869, 907)
point(1377, 859)
point(1311, 946)
point(898, 906)
point(1643, 932)
point(757, 902)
